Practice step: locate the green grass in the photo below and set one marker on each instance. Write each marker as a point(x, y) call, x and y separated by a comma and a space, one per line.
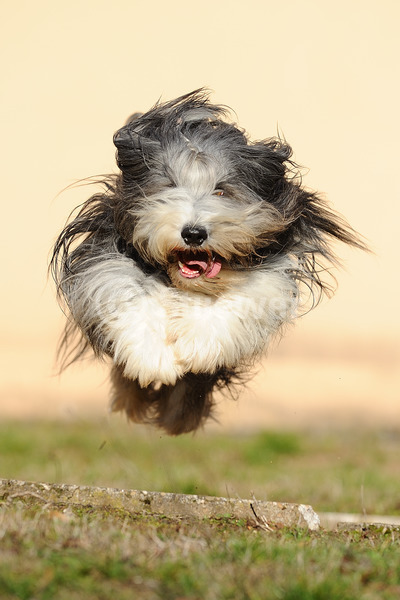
point(46, 554)
point(340, 471)
point(51, 552)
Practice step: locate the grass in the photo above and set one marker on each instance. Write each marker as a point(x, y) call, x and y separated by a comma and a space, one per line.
point(59, 554)
point(51, 552)
point(340, 471)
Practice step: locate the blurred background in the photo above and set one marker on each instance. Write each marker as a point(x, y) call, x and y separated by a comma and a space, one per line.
point(326, 75)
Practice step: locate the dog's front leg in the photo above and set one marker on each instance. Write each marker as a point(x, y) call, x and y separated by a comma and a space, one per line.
point(122, 314)
point(140, 342)
point(235, 328)
point(208, 337)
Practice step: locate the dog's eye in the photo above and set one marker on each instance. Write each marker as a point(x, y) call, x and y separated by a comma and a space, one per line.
point(219, 193)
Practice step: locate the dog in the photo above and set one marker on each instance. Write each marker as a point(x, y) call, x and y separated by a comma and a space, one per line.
point(190, 260)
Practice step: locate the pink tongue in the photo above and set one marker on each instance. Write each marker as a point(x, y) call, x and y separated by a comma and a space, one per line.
point(200, 267)
point(192, 269)
point(215, 269)
point(198, 263)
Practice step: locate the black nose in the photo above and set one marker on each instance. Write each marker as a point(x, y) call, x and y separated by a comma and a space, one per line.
point(193, 235)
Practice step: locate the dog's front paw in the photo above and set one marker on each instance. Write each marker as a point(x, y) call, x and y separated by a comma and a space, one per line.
point(158, 365)
point(199, 354)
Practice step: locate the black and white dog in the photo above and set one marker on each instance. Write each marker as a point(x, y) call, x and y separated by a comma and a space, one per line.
point(191, 260)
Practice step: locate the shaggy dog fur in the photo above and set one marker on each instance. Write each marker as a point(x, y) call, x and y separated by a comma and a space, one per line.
point(191, 259)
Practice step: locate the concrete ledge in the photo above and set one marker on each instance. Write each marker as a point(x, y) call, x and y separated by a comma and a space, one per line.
point(349, 520)
point(157, 503)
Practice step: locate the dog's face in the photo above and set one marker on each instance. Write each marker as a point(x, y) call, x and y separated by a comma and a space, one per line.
point(196, 198)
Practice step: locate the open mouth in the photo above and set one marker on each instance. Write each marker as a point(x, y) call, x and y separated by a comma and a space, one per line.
point(194, 263)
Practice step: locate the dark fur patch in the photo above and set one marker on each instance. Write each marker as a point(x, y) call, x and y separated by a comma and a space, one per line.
point(176, 409)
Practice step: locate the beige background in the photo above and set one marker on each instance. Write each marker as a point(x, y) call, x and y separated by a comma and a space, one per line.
point(325, 73)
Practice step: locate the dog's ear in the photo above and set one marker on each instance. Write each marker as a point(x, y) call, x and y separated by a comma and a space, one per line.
point(263, 167)
point(311, 225)
point(133, 147)
point(133, 118)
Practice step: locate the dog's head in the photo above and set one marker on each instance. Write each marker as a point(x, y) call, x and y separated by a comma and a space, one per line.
point(200, 200)
point(196, 197)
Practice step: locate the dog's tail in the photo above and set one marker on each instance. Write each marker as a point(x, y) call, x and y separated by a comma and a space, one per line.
point(177, 409)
